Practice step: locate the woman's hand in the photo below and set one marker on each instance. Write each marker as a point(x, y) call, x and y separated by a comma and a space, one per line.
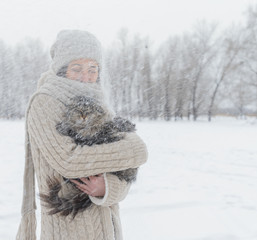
point(94, 186)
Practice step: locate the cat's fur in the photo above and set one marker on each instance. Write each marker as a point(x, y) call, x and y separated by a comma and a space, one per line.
point(87, 123)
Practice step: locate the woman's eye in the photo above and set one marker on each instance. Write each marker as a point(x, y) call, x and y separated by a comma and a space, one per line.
point(76, 69)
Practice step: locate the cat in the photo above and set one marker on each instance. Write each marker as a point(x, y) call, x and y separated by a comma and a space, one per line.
point(86, 122)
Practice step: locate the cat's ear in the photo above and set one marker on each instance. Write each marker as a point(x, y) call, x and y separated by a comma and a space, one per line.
point(100, 110)
point(62, 128)
point(70, 103)
point(67, 106)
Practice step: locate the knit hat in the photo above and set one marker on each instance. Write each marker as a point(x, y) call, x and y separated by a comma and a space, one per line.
point(74, 44)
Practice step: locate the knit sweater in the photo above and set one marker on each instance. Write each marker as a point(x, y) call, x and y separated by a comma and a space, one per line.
point(50, 154)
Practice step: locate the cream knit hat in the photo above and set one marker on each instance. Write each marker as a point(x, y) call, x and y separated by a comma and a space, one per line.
point(74, 44)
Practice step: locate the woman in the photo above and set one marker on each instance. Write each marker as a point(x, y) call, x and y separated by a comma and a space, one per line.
point(77, 59)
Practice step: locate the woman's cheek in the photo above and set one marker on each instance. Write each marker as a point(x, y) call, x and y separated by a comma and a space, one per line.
point(75, 76)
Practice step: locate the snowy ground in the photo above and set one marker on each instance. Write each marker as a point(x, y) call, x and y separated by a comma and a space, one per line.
point(200, 182)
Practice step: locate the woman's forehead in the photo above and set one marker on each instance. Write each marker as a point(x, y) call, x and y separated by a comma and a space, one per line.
point(84, 62)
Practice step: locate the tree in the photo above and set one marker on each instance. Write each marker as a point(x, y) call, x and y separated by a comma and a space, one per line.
point(200, 54)
point(226, 61)
point(32, 59)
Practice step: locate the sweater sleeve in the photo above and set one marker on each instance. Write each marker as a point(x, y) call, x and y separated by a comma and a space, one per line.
point(72, 160)
point(115, 191)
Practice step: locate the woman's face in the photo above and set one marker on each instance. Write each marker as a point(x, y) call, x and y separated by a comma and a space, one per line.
point(83, 70)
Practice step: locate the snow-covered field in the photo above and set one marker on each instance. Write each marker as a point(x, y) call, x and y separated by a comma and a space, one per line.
point(200, 182)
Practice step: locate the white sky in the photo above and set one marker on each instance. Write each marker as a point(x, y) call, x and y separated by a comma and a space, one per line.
point(155, 18)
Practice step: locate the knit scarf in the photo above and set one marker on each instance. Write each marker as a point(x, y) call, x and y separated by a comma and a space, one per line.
point(62, 89)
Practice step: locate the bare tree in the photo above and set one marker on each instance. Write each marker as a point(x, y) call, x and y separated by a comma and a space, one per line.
point(167, 73)
point(200, 48)
point(9, 83)
point(226, 61)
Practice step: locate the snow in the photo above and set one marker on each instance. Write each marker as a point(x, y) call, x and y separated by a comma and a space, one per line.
point(200, 182)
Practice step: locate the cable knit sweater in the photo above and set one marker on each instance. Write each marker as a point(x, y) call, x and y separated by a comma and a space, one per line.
point(50, 154)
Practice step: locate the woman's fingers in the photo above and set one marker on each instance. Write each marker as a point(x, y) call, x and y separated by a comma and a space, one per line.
point(83, 190)
point(85, 180)
point(93, 185)
point(82, 187)
point(92, 178)
point(76, 182)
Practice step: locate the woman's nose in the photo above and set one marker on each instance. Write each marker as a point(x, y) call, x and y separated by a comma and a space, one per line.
point(85, 77)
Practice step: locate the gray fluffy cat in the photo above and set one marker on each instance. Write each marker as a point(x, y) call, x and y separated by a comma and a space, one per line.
point(86, 122)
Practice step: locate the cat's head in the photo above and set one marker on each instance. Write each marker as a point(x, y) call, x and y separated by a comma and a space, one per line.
point(85, 112)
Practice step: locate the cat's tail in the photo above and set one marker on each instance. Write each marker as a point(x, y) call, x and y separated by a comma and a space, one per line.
point(71, 203)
